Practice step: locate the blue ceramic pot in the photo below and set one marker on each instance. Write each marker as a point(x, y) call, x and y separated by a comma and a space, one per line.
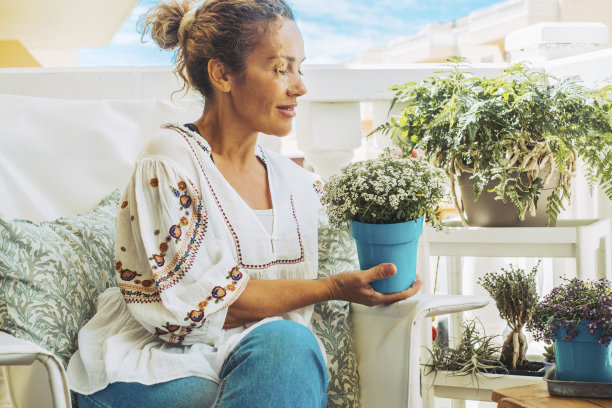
point(583, 358)
point(394, 243)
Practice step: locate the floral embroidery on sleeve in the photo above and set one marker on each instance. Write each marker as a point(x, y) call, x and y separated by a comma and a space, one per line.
point(171, 263)
point(173, 333)
point(218, 294)
point(191, 223)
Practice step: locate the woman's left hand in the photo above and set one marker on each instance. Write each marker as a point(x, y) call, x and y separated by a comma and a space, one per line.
point(355, 286)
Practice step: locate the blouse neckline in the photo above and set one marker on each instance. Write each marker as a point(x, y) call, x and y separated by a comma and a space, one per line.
point(193, 129)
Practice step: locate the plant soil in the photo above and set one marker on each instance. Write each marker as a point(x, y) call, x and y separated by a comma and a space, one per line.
point(532, 369)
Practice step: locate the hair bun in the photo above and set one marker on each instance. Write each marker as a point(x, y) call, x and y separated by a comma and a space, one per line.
point(165, 22)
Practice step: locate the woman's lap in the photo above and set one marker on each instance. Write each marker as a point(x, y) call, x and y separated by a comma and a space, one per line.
point(188, 392)
point(278, 364)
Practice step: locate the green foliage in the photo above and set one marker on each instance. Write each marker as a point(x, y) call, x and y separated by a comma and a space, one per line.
point(514, 292)
point(515, 295)
point(475, 353)
point(506, 129)
point(549, 353)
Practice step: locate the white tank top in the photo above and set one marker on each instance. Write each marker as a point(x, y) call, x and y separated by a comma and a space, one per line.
point(266, 217)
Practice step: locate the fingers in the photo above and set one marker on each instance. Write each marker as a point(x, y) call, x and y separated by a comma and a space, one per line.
point(381, 271)
point(355, 286)
point(411, 291)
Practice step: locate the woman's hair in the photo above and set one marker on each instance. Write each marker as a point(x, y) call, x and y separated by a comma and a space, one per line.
point(225, 30)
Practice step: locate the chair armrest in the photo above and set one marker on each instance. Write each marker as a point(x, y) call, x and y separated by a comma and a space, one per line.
point(18, 352)
point(420, 306)
point(15, 351)
point(388, 340)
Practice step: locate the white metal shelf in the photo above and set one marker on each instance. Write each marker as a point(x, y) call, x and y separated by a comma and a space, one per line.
point(588, 241)
point(478, 387)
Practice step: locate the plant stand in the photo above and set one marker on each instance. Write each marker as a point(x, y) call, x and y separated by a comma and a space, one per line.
point(588, 241)
point(479, 387)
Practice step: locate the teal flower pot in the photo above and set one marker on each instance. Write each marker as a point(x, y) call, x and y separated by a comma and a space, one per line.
point(582, 359)
point(394, 243)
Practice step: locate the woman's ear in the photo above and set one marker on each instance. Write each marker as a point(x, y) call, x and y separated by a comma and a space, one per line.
point(218, 76)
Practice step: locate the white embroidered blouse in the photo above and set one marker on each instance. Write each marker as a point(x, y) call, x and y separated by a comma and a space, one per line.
point(186, 246)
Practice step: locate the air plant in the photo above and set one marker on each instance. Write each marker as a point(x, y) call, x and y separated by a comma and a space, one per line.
point(475, 353)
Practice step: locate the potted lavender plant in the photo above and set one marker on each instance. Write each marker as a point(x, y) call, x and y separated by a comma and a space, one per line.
point(386, 200)
point(576, 317)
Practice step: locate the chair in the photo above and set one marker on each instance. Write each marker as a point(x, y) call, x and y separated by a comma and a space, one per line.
point(62, 156)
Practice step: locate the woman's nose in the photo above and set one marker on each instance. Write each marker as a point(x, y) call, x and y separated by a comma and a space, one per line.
point(297, 88)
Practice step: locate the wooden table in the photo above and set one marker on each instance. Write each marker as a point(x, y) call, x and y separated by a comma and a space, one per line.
point(536, 396)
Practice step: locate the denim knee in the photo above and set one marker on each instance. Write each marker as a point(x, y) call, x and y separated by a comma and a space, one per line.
point(283, 345)
point(278, 364)
point(286, 340)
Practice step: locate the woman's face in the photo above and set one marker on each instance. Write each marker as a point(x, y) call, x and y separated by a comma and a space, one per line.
point(264, 97)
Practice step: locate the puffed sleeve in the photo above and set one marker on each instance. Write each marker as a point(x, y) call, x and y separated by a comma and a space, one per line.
point(176, 277)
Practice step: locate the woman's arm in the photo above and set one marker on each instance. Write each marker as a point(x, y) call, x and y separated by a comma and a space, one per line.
point(265, 298)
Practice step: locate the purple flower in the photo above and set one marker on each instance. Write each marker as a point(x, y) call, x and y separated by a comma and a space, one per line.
point(570, 303)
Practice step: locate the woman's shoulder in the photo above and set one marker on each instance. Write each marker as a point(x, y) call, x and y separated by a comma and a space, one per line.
point(170, 140)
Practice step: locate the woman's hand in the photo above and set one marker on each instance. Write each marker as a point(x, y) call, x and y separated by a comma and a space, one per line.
point(355, 286)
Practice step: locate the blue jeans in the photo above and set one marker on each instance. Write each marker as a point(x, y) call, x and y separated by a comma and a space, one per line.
point(278, 364)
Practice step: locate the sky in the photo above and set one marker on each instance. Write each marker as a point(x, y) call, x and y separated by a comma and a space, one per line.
point(334, 30)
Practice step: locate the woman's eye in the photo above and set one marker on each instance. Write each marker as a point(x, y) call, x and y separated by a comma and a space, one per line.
point(300, 72)
point(281, 71)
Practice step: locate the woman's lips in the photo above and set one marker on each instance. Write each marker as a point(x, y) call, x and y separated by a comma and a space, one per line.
point(287, 110)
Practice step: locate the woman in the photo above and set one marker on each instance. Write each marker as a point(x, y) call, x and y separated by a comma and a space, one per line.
point(216, 251)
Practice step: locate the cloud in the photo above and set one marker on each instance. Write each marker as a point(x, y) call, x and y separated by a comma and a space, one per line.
point(359, 13)
point(338, 30)
point(326, 44)
point(333, 30)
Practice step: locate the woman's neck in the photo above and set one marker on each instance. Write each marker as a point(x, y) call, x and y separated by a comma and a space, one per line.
point(228, 141)
point(233, 151)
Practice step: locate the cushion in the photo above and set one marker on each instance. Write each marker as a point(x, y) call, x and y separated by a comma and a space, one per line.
point(51, 273)
point(92, 144)
point(332, 321)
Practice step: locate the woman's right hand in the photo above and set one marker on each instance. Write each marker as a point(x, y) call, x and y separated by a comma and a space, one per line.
point(355, 286)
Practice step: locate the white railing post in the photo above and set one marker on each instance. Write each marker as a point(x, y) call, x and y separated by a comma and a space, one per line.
point(328, 133)
point(543, 42)
point(380, 115)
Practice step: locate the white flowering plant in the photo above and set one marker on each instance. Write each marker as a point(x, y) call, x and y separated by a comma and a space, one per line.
point(386, 190)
